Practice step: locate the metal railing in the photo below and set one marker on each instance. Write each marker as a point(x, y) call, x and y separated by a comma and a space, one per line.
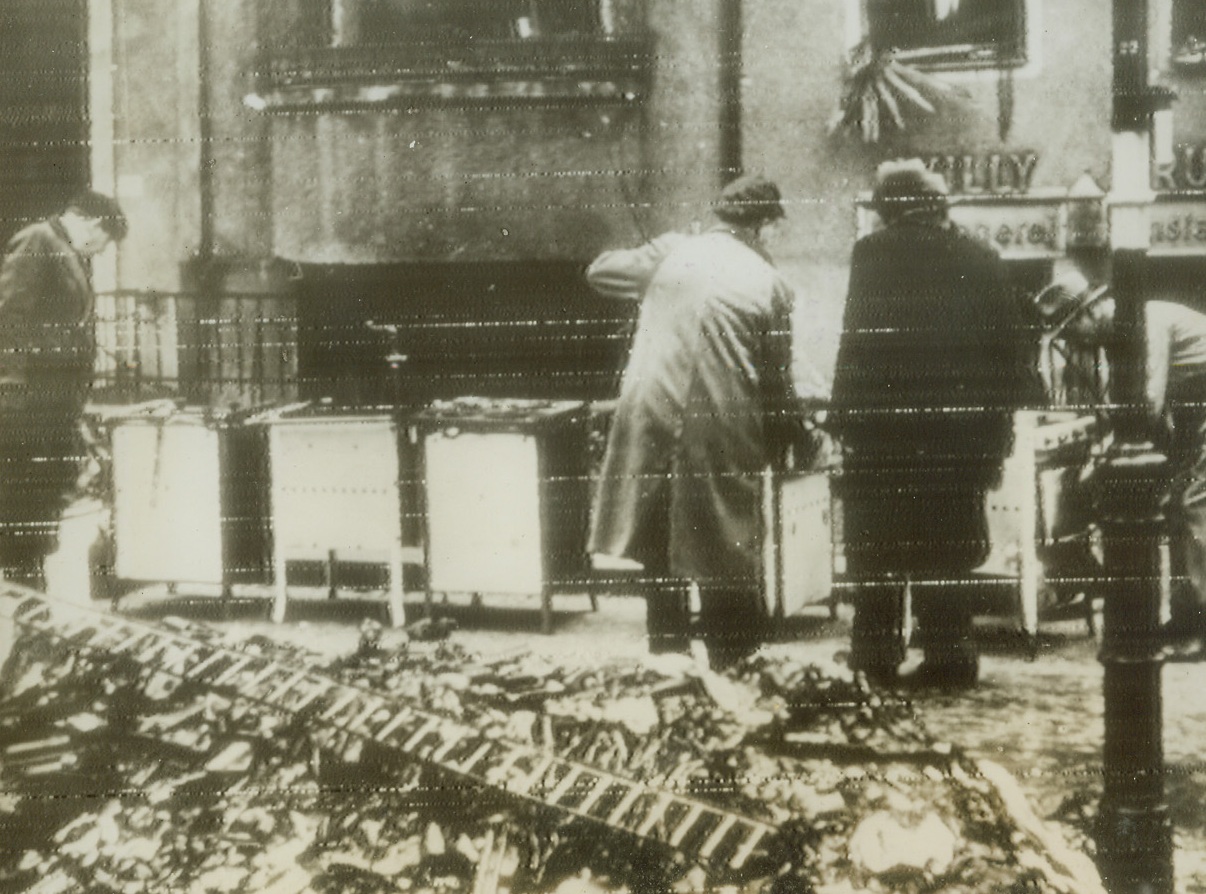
point(232, 349)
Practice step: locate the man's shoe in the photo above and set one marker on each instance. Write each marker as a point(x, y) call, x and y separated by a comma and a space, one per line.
point(879, 674)
point(669, 645)
point(1185, 638)
point(723, 659)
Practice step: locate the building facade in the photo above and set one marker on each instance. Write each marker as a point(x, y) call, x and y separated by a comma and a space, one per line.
point(316, 185)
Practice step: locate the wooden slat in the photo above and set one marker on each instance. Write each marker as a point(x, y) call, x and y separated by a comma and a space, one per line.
point(727, 822)
point(429, 726)
point(524, 786)
point(699, 831)
point(395, 723)
point(205, 664)
point(342, 701)
point(474, 758)
point(267, 672)
point(288, 684)
point(617, 814)
point(317, 689)
point(654, 816)
point(562, 787)
point(375, 704)
point(450, 742)
point(747, 847)
point(593, 796)
point(693, 815)
point(231, 672)
point(151, 652)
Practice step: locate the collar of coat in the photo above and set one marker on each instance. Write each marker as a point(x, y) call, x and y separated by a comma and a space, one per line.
point(56, 224)
point(751, 237)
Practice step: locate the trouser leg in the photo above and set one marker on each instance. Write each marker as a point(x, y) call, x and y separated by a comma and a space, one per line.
point(877, 646)
point(733, 622)
point(37, 470)
point(1187, 535)
point(946, 633)
point(1186, 572)
point(667, 616)
point(1186, 513)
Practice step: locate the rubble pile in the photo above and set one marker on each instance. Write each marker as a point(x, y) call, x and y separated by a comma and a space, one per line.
point(210, 767)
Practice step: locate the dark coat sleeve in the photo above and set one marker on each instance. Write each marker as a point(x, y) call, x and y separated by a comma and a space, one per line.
point(781, 405)
point(856, 374)
point(45, 313)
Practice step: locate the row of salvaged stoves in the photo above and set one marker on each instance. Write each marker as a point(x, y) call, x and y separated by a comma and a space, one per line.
point(162, 757)
point(486, 496)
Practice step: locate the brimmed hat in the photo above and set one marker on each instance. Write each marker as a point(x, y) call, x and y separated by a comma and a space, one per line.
point(1068, 296)
point(907, 185)
point(750, 200)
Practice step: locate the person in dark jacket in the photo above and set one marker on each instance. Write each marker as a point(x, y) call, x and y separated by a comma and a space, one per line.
point(933, 360)
point(47, 353)
point(704, 407)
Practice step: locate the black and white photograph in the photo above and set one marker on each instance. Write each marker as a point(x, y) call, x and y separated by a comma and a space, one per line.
point(602, 446)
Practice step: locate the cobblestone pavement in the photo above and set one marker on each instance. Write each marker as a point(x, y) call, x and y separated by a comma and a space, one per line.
point(1041, 718)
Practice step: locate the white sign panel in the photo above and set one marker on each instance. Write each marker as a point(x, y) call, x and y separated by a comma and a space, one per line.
point(1178, 228)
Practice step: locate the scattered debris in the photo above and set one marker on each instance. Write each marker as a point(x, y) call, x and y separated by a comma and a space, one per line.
point(141, 757)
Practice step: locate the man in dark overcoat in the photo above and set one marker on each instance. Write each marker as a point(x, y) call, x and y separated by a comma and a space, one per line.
point(933, 360)
point(705, 404)
point(47, 354)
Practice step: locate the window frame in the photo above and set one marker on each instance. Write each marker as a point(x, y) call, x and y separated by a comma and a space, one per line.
point(349, 23)
point(941, 58)
point(328, 71)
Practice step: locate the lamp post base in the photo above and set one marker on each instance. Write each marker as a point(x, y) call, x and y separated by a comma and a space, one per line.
point(1134, 849)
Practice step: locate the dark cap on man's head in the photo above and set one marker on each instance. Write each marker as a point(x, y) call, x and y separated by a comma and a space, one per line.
point(98, 206)
point(906, 186)
point(750, 200)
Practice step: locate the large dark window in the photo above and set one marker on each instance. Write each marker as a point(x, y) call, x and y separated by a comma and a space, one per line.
point(951, 33)
point(499, 329)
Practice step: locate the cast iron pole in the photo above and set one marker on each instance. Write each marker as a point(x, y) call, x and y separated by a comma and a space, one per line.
point(1134, 836)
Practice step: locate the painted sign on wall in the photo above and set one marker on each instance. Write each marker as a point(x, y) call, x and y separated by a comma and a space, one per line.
point(1187, 170)
point(1017, 230)
point(1021, 228)
point(1178, 228)
point(994, 173)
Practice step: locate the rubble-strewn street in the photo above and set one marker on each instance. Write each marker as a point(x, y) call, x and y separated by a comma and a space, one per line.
point(249, 773)
point(364, 362)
